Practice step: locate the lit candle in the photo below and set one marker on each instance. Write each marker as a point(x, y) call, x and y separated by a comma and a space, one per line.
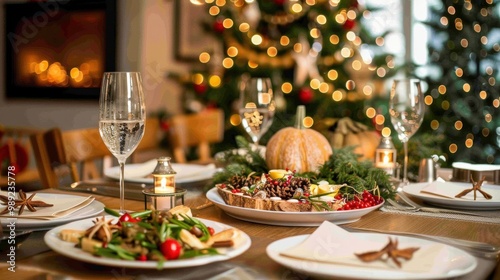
point(385, 156)
point(164, 183)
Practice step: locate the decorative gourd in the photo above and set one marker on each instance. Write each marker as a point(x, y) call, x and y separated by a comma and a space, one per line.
point(297, 148)
point(347, 132)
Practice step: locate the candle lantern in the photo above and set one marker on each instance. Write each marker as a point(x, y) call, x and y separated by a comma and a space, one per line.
point(164, 194)
point(385, 156)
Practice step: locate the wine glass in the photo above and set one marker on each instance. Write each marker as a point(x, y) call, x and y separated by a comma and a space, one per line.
point(406, 107)
point(257, 107)
point(121, 117)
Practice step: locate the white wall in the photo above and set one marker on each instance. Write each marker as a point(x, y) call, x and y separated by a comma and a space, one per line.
point(144, 43)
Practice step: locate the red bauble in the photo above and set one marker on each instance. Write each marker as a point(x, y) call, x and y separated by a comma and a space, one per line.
point(218, 26)
point(349, 24)
point(279, 2)
point(165, 125)
point(305, 95)
point(211, 105)
point(354, 3)
point(200, 89)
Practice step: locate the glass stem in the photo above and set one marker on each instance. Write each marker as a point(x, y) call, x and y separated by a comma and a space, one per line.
point(122, 187)
point(405, 163)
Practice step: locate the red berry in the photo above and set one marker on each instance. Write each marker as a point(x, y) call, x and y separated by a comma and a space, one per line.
point(142, 258)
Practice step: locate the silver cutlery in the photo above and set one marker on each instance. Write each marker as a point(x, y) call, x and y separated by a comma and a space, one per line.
point(133, 191)
point(414, 207)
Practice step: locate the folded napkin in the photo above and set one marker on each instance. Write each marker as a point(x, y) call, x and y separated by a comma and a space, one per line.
point(446, 189)
point(332, 244)
point(62, 206)
point(476, 167)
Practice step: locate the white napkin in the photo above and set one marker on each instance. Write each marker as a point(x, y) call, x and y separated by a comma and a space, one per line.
point(442, 188)
point(476, 167)
point(62, 207)
point(446, 189)
point(332, 244)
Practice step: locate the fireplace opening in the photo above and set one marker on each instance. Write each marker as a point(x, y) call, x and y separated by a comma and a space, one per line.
point(59, 49)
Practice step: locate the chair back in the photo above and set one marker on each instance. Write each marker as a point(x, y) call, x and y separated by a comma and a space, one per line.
point(79, 150)
point(149, 147)
point(198, 130)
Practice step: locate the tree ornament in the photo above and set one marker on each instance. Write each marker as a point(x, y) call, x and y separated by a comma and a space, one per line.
point(251, 14)
point(354, 4)
point(218, 26)
point(165, 125)
point(279, 2)
point(306, 95)
point(349, 24)
point(200, 89)
point(306, 63)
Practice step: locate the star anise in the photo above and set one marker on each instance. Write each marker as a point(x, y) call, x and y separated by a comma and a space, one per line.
point(392, 252)
point(476, 187)
point(102, 229)
point(23, 202)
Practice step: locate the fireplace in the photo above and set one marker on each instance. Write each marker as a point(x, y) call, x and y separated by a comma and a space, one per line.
point(59, 49)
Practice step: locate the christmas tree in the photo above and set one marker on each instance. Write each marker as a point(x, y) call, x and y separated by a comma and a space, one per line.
point(318, 53)
point(462, 96)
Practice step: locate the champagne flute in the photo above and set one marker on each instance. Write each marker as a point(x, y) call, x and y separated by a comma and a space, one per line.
point(257, 107)
point(406, 107)
point(121, 117)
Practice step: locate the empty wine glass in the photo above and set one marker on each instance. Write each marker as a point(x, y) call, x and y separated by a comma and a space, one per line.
point(257, 107)
point(121, 117)
point(406, 107)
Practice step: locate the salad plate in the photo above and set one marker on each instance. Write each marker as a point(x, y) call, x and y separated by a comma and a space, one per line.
point(278, 218)
point(452, 263)
point(465, 203)
point(91, 210)
point(68, 249)
point(140, 172)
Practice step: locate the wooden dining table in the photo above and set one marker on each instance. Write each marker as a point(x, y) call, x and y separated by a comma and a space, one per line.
point(34, 260)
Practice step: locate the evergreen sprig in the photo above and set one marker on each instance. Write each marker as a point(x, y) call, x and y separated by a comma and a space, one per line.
point(343, 167)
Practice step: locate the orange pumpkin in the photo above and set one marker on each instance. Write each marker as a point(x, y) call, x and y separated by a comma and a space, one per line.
point(350, 133)
point(297, 148)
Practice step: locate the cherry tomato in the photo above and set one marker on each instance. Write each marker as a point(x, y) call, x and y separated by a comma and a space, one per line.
point(127, 218)
point(211, 230)
point(171, 249)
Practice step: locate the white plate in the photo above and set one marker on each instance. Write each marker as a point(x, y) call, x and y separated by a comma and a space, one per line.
point(305, 219)
point(186, 173)
point(68, 249)
point(465, 203)
point(91, 210)
point(456, 263)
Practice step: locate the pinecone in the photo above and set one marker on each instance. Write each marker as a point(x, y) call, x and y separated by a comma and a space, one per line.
point(239, 182)
point(286, 189)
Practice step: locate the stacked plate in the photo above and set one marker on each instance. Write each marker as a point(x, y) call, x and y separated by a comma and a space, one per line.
point(65, 209)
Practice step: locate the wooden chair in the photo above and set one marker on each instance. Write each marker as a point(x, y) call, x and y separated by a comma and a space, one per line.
point(16, 152)
point(196, 130)
point(75, 151)
point(149, 147)
point(79, 153)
